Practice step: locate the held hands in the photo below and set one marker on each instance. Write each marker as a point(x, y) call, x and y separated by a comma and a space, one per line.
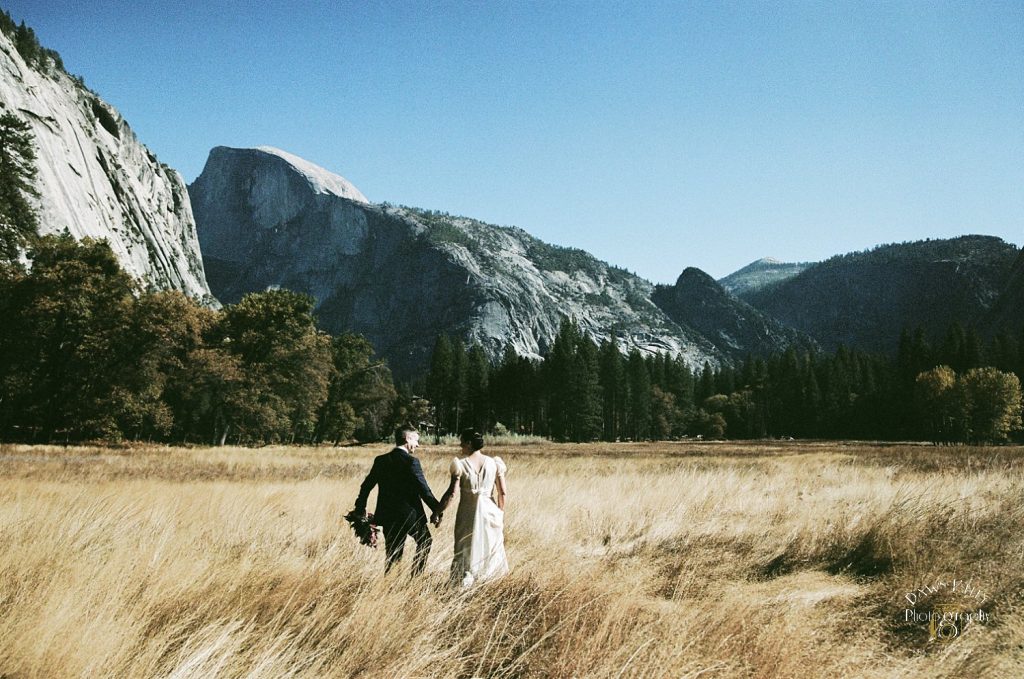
point(435, 519)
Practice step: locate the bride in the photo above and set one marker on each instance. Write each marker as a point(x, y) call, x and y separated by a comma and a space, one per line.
point(479, 522)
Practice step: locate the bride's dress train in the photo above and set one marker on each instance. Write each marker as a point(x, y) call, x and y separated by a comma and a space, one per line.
point(479, 523)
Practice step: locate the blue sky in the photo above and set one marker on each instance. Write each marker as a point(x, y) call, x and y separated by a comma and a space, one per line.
point(656, 135)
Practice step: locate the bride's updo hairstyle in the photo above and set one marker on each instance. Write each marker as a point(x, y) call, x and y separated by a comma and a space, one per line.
point(474, 438)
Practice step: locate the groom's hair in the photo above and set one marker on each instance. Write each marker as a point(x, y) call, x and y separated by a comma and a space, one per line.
point(402, 433)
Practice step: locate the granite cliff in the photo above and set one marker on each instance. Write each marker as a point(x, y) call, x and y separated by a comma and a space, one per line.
point(401, 276)
point(96, 179)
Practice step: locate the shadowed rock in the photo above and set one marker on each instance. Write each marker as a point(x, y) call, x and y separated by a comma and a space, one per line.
point(733, 326)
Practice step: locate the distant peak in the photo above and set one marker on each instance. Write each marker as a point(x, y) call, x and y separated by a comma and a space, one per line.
point(693, 276)
point(767, 260)
point(322, 181)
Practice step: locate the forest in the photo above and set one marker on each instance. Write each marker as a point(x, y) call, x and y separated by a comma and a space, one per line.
point(86, 353)
point(958, 389)
point(89, 355)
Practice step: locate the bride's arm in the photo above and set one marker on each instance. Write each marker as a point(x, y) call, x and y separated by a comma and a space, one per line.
point(502, 492)
point(447, 497)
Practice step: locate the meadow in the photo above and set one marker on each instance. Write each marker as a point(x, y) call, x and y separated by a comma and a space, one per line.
point(628, 560)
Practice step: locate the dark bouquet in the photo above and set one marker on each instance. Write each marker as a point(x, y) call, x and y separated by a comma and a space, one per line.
point(364, 527)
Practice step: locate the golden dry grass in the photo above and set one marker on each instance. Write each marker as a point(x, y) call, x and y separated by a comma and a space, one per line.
point(629, 560)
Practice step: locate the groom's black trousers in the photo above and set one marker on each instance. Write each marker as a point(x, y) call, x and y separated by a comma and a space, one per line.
point(394, 543)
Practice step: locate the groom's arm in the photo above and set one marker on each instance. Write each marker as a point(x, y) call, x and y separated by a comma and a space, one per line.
point(424, 489)
point(364, 490)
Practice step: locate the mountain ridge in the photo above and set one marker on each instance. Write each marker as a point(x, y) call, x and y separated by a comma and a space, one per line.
point(733, 326)
point(864, 299)
point(491, 284)
point(403, 275)
point(760, 274)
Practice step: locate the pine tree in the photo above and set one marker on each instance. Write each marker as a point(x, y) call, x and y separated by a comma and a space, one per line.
point(18, 222)
point(557, 368)
point(558, 372)
point(904, 360)
point(586, 393)
point(656, 367)
point(455, 389)
point(477, 397)
point(639, 396)
point(971, 351)
point(612, 373)
point(571, 379)
point(679, 383)
point(922, 353)
point(507, 391)
point(759, 390)
point(952, 351)
point(725, 381)
point(1019, 369)
point(1003, 352)
point(529, 401)
point(27, 44)
point(438, 379)
point(789, 394)
point(812, 403)
point(706, 388)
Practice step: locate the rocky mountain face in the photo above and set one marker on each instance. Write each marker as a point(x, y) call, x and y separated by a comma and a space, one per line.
point(733, 326)
point(401, 276)
point(761, 274)
point(865, 299)
point(96, 179)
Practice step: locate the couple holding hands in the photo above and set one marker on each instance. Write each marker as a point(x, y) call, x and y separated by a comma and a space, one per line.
point(479, 521)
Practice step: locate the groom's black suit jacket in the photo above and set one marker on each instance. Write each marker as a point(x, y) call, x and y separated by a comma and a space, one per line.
point(401, 491)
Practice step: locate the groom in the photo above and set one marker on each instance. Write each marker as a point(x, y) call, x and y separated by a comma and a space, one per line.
point(401, 492)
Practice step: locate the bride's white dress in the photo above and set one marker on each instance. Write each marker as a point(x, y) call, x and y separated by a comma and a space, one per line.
point(479, 523)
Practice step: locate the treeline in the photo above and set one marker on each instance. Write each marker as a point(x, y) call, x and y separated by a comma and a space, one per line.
point(984, 250)
point(84, 354)
point(583, 392)
point(27, 44)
